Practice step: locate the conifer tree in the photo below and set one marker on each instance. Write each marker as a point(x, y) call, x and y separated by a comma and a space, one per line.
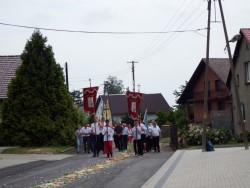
point(38, 111)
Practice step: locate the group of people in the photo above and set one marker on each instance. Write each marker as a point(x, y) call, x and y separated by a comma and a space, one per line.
point(100, 135)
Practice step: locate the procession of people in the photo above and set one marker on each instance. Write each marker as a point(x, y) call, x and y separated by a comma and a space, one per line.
point(100, 136)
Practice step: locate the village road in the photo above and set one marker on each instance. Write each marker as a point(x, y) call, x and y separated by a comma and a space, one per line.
point(131, 172)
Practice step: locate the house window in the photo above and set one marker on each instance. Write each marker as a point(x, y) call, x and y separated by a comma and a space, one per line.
point(209, 106)
point(248, 72)
point(208, 85)
point(221, 105)
point(218, 85)
point(238, 79)
point(243, 111)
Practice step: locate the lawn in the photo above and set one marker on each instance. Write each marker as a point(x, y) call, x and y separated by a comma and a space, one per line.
point(36, 150)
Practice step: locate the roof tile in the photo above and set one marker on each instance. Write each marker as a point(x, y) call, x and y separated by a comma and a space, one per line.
point(8, 66)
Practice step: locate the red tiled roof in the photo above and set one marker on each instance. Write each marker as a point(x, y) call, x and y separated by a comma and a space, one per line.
point(246, 33)
point(152, 102)
point(8, 66)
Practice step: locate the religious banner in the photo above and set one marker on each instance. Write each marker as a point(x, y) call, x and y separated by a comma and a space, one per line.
point(107, 112)
point(89, 99)
point(134, 99)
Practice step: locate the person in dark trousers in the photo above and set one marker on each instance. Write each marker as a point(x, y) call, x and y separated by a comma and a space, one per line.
point(149, 138)
point(86, 130)
point(102, 124)
point(124, 137)
point(137, 143)
point(156, 134)
point(118, 132)
point(95, 132)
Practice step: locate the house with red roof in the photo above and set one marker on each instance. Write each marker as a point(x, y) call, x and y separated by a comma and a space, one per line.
point(241, 61)
point(119, 107)
point(8, 67)
point(219, 97)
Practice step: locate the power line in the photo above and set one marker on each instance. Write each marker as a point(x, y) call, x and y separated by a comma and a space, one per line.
point(97, 78)
point(98, 32)
point(102, 75)
point(159, 36)
point(160, 46)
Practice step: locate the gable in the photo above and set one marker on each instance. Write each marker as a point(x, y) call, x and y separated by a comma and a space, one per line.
point(8, 67)
point(245, 33)
point(219, 66)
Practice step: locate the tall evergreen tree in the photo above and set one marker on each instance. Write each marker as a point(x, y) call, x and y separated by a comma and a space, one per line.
point(38, 111)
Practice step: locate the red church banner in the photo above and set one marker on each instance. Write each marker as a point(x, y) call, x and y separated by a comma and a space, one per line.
point(89, 99)
point(134, 99)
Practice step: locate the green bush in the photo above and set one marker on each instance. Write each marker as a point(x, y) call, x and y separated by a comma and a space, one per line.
point(240, 138)
point(193, 135)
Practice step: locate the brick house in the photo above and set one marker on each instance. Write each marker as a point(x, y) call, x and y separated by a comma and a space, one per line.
point(8, 67)
point(219, 98)
point(241, 60)
point(119, 107)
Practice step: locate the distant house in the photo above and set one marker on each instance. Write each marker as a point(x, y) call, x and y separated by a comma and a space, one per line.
point(219, 98)
point(241, 60)
point(119, 107)
point(8, 67)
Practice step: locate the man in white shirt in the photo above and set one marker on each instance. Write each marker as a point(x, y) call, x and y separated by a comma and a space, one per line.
point(86, 130)
point(95, 132)
point(143, 136)
point(156, 134)
point(136, 132)
point(102, 124)
point(149, 138)
point(124, 137)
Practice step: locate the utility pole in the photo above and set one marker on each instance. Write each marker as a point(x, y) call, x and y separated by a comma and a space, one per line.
point(89, 82)
point(237, 97)
point(133, 73)
point(66, 72)
point(205, 110)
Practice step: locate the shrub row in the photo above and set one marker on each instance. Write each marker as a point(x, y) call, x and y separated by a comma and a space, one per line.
point(192, 136)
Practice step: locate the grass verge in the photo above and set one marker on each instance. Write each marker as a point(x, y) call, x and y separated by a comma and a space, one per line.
point(36, 150)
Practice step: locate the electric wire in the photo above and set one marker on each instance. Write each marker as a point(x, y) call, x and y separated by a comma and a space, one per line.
point(159, 36)
point(98, 78)
point(95, 32)
point(173, 35)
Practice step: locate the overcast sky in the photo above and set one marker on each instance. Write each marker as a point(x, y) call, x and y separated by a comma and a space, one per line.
point(165, 61)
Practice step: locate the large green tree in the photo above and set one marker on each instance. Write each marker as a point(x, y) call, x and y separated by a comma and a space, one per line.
point(177, 115)
point(38, 111)
point(113, 86)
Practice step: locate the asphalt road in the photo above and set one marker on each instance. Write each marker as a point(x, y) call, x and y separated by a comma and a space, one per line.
point(131, 172)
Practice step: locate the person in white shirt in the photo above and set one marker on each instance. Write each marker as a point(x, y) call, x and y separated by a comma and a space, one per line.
point(143, 136)
point(94, 136)
point(101, 126)
point(136, 132)
point(156, 134)
point(78, 134)
point(86, 130)
point(149, 138)
point(124, 137)
point(108, 132)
